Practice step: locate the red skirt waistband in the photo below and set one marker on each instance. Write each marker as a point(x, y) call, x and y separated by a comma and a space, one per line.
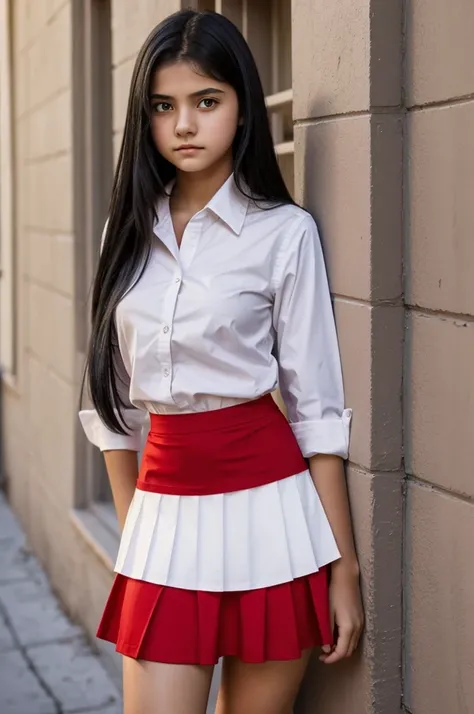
point(220, 451)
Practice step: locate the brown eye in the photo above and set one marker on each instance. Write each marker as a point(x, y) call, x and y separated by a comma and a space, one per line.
point(161, 107)
point(207, 103)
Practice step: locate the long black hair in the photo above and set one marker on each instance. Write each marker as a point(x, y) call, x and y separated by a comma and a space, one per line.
point(214, 45)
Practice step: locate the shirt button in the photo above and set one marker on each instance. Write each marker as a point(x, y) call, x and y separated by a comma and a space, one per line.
point(166, 329)
point(166, 372)
point(177, 280)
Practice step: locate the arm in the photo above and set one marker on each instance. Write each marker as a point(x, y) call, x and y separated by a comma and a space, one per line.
point(312, 389)
point(346, 603)
point(122, 469)
point(329, 478)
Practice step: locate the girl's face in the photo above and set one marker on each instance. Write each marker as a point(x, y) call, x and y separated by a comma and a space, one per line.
point(194, 118)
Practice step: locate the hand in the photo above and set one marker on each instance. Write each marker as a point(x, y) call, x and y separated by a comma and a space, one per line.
point(346, 612)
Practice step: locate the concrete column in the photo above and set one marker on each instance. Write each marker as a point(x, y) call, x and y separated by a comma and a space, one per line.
point(348, 134)
point(439, 578)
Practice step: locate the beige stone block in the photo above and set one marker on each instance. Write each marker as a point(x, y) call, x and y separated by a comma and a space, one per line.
point(39, 399)
point(57, 213)
point(440, 60)
point(38, 71)
point(22, 203)
point(58, 442)
point(31, 194)
point(62, 352)
point(15, 450)
point(349, 174)
point(438, 401)
point(52, 410)
point(21, 95)
point(330, 68)
point(439, 656)
point(51, 535)
point(126, 40)
point(40, 139)
point(440, 250)
point(370, 681)
point(40, 194)
point(371, 345)
point(37, 13)
point(40, 518)
point(348, 56)
point(39, 254)
point(60, 115)
point(132, 23)
point(50, 126)
point(54, 6)
point(35, 124)
point(51, 329)
point(50, 57)
point(60, 37)
point(19, 16)
point(39, 337)
point(63, 264)
point(96, 580)
point(22, 148)
point(121, 89)
point(332, 171)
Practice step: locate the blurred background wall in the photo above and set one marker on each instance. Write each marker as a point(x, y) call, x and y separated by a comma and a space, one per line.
point(372, 109)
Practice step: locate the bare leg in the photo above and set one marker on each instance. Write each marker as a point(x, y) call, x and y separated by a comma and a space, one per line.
point(267, 688)
point(156, 688)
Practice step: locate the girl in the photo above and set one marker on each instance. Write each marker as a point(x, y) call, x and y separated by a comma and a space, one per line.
point(210, 291)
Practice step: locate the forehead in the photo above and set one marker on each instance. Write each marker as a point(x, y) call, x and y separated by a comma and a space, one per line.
point(181, 78)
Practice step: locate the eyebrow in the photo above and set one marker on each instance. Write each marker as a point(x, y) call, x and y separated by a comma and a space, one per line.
point(200, 93)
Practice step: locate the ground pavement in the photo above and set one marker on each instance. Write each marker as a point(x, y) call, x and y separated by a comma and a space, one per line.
point(46, 664)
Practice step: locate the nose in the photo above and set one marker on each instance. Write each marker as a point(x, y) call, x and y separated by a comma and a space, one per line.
point(185, 124)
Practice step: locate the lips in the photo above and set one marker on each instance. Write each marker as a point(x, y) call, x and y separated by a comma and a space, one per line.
point(188, 147)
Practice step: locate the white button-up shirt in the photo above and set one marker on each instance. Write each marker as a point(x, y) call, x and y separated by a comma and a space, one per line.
point(241, 307)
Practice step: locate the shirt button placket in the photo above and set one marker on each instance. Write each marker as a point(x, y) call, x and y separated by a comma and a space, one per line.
point(164, 338)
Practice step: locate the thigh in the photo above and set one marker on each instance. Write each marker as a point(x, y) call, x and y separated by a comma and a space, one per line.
point(157, 688)
point(267, 688)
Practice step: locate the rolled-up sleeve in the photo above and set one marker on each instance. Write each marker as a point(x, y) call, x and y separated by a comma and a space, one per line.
point(310, 376)
point(136, 419)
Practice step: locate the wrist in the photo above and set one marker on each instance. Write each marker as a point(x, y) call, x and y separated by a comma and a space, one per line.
point(347, 566)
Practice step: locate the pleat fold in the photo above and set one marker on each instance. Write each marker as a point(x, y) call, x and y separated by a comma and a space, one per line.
point(243, 540)
point(171, 625)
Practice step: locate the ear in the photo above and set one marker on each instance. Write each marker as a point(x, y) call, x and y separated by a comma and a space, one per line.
point(241, 121)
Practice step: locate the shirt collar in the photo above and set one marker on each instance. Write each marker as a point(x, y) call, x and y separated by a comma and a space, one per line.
point(228, 204)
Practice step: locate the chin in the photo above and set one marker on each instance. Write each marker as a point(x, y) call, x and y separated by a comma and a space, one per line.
point(190, 166)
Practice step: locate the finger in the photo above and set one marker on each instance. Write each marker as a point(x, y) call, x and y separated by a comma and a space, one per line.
point(355, 640)
point(342, 647)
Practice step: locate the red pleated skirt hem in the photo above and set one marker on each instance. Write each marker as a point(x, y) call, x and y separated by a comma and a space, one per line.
point(158, 623)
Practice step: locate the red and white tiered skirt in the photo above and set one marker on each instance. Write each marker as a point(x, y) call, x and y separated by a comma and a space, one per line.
point(226, 544)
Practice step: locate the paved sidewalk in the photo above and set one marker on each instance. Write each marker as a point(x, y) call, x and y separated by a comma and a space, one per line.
point(46, 664)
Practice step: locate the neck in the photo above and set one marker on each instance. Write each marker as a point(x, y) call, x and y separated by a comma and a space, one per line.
point(195, 190)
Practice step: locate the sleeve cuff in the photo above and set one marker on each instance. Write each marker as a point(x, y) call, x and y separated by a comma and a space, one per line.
point(324, 436)
point(107, 440)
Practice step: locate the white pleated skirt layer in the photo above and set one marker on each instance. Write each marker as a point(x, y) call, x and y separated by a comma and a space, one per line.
point(241, 540)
